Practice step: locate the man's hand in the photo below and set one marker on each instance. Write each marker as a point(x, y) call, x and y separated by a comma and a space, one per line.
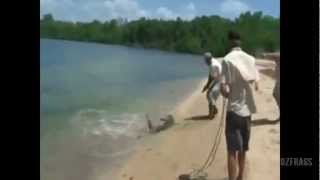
point(225, 90)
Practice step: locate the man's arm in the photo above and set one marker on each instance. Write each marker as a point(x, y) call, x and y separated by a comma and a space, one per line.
point(225, 80)
point(215, 73)
point(207, 84)
point(225, 90)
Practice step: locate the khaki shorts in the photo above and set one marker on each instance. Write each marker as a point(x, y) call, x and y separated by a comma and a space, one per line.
point(213, 94)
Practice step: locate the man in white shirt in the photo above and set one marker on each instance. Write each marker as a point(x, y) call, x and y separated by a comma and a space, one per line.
point(213, 84)
point(238, 75)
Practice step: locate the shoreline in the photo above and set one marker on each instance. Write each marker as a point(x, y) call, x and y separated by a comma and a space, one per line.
point(185, 146)
point(146, 139)
point(187, 102)
point(124, 45)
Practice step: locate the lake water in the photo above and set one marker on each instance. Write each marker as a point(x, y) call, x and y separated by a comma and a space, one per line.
point(94, 99)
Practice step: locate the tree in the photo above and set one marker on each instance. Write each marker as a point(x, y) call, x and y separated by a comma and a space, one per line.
point(205, 33)
point(48, 18)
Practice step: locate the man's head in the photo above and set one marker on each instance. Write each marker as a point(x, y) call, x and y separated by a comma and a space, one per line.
point(234, 39)
point(207, 58)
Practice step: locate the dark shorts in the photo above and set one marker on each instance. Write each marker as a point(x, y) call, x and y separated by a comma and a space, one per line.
point(237, 132)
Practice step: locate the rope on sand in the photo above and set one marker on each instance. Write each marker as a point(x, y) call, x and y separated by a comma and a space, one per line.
point(200, 174)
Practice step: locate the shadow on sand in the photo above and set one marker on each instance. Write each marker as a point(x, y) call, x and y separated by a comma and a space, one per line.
point(261, 122)
point(199, 118)
point(256, 122)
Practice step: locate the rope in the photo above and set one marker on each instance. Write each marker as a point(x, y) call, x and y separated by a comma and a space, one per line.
point(219, 132)
point(211, 157)
point(196, 173)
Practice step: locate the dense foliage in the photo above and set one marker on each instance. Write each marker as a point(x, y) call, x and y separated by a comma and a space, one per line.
point(207, 33)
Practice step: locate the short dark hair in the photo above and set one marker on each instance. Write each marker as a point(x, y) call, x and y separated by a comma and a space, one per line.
point(233, 35)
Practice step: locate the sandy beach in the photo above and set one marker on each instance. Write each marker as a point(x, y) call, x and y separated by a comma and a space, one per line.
point(166, 155)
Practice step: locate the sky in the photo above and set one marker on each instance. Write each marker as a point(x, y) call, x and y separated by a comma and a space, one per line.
point(102, 10)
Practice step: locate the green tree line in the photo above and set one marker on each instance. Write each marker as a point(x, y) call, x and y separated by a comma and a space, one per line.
point(206, 33)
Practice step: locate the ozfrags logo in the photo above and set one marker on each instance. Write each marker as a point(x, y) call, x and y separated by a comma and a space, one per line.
point(295, 161)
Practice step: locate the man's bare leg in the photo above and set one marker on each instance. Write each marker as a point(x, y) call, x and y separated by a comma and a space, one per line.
point(242, 162)
point(232, 165)
point(212, 111)
point(210, 114)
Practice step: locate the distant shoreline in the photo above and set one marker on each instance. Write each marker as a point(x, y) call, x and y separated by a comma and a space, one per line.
point(144, 48)
point(259, 32)
point(120, 45)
